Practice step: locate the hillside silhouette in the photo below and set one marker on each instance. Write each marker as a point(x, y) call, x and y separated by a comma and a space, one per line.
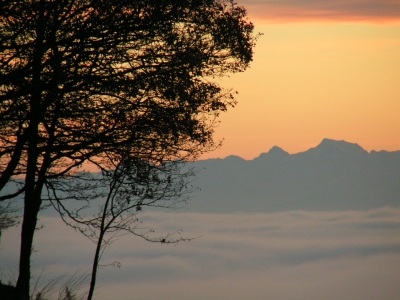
point(335, 175)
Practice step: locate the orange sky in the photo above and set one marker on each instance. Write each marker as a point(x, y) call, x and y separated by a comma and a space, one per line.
point(321, 69)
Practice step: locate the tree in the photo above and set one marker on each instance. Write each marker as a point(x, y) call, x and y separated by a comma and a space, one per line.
point(82, 79)
point(8, 216)
point(126, 189)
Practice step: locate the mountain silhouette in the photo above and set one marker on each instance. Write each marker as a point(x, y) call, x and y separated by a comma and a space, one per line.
point(335, 175)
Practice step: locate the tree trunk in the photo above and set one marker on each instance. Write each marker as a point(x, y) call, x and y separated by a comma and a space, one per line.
point(32, 202)
point(33, 190)
point(31, 209)
point(95, 265)
point(96, 259)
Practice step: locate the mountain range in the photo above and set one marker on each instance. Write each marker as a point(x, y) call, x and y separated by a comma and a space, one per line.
point(335, 175)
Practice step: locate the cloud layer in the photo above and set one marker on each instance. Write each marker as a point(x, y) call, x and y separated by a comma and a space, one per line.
point(291, 255)
point(324, 10)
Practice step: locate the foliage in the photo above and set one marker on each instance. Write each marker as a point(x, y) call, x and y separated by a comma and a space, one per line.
point(96, 81)
point(50, 289)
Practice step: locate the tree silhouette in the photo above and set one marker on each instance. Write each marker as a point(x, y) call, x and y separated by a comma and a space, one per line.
point(129, 187)
point(82, 79)
point(8, 216)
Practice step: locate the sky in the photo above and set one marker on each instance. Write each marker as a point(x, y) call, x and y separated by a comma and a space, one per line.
point(321, 69)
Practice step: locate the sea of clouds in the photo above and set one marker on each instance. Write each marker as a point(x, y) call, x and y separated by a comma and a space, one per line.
point(289, 255)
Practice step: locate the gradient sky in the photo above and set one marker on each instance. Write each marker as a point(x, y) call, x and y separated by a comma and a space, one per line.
point(322, 69)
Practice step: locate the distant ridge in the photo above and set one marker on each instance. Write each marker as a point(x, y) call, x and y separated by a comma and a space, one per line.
point(275, 152)
point(327, 146)
point(339, 147)
point(334, 175)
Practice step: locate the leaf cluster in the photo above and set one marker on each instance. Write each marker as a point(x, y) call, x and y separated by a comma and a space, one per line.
point(96, 76)
point(128, 87)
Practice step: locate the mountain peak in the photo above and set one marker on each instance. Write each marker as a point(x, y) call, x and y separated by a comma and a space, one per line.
point(335, 146)
point(234, 158)
point(275, 150)
point(275, 153)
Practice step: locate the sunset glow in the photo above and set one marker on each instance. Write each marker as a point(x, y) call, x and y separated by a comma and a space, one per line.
point(108, 109)
point(320, 70)
point(294, 11)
